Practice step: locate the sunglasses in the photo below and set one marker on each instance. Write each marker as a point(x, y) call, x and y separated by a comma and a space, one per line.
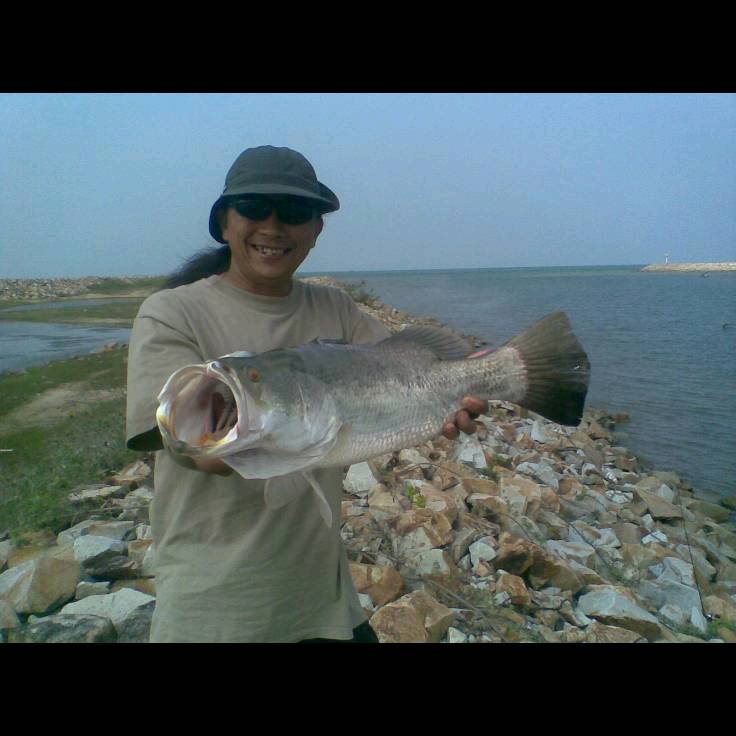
point(290, 211)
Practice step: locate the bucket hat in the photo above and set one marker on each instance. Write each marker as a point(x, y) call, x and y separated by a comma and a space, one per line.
point(272, 170)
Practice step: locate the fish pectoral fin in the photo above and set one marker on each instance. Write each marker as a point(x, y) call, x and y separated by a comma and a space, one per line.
point(284, 489)
point(324, 507)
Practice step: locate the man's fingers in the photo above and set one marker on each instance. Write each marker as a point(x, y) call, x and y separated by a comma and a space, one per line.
point(475, 405)
point(450, 431)
point(464, 422)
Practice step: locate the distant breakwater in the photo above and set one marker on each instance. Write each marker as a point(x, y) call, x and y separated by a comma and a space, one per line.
point(702, 267)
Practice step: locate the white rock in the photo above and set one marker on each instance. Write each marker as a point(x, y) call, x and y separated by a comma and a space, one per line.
point(698, 620)
point(359, 479)
point(655, 537)
point(366, 602)
point(8, 617)
point(431, 562)
point(666, 493)
point(86, 588)
point(666, 591)
point(74, 532)
point(112, 529)
point(540, 434)
point(673, 615)
point(144, 531)
point(414, 457)
point(575, 551)
point(455, 636)
point(90, 546)
point(117, 606)
point(677, 570)
point(501, 599)
point(610, 605)
point(648, 522)
point(469, 450)
point(481, 551)
point(148, 568)
point(96, 492)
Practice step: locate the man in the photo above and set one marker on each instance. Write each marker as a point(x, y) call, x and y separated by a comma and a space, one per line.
point(227, 568)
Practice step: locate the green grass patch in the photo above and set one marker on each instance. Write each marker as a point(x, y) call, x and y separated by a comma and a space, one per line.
point(47, 463)
point(102, 370)
point(121, 313)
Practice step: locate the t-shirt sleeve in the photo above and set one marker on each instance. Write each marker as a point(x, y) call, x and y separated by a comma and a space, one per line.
point(363, 328)
point(161, 342)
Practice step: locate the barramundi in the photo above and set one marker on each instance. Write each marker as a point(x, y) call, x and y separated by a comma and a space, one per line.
point(281, 414)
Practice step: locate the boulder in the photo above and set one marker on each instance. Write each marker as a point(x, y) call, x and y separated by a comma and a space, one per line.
point(598, 633)
point(578, 551)
point(8, 617)
point(721, 608)
point(86, 588)
point(658, 507)
point(97, 492)
point(111, 529)
point(516, 589)
point(548, 569)
point(515, 554)
point(39, 585)
point(432, 562)
point(617, 607)
point(415, 617)
point(382, 583)
point(359, 479)
point(482, 551)
point(582, 532)
point(66, 629)
point(710, 510)
point(129, 610)
point(659, 592)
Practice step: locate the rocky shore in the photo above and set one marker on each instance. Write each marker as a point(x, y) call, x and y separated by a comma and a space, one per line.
point(526, 531)
point(32, 289)
point(700, 267)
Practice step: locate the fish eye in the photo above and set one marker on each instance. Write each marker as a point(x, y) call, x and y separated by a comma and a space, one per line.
point(254, 375)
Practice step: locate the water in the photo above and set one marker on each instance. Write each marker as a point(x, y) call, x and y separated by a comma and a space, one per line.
point(656, 343)
point(25, 344)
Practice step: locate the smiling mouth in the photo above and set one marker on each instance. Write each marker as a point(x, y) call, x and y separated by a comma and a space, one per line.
point(263, 250)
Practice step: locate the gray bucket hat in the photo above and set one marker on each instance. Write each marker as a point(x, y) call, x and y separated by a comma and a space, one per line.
point(271, 170)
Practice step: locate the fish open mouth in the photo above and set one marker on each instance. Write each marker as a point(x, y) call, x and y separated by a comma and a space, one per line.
point(203, 410)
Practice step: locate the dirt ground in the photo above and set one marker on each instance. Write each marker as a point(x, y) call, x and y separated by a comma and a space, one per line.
point(56, 404)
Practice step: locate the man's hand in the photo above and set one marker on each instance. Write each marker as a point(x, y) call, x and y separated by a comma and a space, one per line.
point(464, 419)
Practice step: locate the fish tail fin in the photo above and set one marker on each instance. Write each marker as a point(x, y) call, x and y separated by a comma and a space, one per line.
point(557, 369)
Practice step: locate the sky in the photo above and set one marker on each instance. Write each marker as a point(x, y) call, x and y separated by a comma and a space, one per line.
point(122, 184)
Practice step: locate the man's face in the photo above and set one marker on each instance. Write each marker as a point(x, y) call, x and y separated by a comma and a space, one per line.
point(265, 253)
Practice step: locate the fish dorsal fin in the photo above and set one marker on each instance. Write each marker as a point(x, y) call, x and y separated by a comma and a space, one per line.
point(444, 344)
point(239, 354)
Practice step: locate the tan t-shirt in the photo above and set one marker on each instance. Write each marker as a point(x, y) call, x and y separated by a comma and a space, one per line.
point(227, 569)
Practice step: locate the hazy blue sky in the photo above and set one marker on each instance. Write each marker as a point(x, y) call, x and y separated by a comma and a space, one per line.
point(116, 184)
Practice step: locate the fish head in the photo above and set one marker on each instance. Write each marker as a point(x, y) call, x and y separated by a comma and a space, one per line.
point(263, 412)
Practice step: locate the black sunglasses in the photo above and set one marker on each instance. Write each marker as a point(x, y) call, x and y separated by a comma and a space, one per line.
point(290, 211)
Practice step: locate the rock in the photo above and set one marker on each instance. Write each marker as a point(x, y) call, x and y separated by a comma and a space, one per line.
point(74, 532)
point(66, 629)
point(415, 617)
point(598, 633)
point(678, 571)
point(382, 583)
point(441, 501)
point(129, 610)
point(133, 473)
point(578, 551)
point(539, 433)
point(432, 562)
point(660, 592)
point(482, 551)
point(86, 588)
point(515, 554)
point(627, 533)
point(39, 585)
point(702, 566)
point(142, 585)
point(144, 531)
point(655, 537)
point(382, 503)
point(98, 492)
point(470, 451)
point(711, 510)
point(88, 549)
point(617, 607)
point(548, 569)
point(8, 617)
point(480, 485)
point(463, 539)
point(638, 556)
point(729, 502)
point(516, 589)
point(698, 620)
point(720, 608)
point(673, 615)
point(726, 571)
point(111, 529)
point(582, 532)
point(666, 493)
point(455, 636)
point(359, 479)
point(137, 550)
point(658, 507)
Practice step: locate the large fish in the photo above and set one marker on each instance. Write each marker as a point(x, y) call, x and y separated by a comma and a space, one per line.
point(279, 415)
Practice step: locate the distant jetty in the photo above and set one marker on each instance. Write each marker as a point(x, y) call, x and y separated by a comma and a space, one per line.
point(690, 267)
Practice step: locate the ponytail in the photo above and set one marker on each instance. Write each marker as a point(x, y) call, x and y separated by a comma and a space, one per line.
point(204, 263)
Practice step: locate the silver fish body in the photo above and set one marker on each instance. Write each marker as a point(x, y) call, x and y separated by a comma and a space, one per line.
point(333, 404)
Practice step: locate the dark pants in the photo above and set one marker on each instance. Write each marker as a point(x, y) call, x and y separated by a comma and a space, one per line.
point(362, 634)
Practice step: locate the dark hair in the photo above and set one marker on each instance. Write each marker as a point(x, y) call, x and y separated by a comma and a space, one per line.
point(205, 262)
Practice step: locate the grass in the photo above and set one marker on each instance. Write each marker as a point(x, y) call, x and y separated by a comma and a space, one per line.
point(47, 463)
point(121, 313)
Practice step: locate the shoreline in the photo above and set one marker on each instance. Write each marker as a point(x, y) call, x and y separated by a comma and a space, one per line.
point(526, 531)
point(691, 267)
